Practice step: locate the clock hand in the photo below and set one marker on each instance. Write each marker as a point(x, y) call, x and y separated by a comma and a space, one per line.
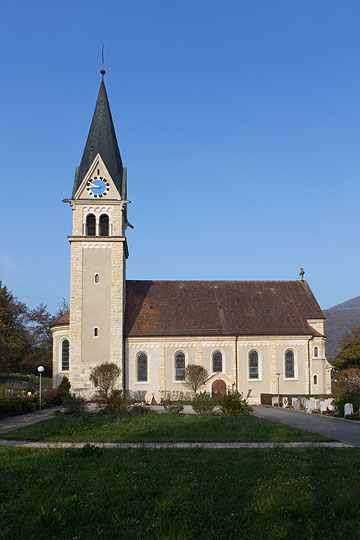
point(95, 186)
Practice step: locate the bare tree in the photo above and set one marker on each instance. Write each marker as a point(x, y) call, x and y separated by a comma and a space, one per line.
point(104, 377)
point(195, 377)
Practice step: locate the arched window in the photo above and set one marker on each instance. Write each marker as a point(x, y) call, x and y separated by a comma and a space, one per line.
point(104, 225)
point(289, 364)
point(96, 278)
point(65, 355)
point(179, 366)
point(142, 367)
point(217, 361)
point(90, 225)
point(315, 380)
point(316, 352)
point(96, 332)
point(253, 365)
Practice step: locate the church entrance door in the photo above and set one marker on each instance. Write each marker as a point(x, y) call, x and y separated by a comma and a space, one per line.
point(218, 389)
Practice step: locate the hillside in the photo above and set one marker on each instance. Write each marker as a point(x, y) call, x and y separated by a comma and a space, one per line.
point(340, 319)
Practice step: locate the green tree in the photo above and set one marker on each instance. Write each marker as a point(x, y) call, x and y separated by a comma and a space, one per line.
point(13, 335)
point(195, 377)
point(349, 355)
point(39, 350)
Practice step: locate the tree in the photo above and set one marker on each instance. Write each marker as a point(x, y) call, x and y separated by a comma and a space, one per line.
point(12, 330)
point(104, 377)
point(195, 377)
point(39, 321)
point(349, 355)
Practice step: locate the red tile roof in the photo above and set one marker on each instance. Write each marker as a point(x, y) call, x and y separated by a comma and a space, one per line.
point(211, 308)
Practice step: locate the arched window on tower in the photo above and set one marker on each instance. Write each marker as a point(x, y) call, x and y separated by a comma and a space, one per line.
point(217, 361)
point(316, 352)
point(104, 225)
point(65, 355)
point(90, 228)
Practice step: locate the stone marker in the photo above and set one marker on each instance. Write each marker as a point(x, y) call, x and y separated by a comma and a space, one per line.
point(348, 409)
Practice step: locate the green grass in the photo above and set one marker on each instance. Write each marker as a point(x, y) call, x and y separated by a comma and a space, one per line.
point(277, 494)
point(160, 428)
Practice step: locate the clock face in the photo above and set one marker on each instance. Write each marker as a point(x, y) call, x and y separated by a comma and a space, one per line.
point(97, 186)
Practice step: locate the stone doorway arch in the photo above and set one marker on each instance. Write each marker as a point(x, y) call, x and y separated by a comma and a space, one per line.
point(218, 389)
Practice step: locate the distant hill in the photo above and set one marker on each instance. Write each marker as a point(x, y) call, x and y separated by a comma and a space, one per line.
point(340, 319)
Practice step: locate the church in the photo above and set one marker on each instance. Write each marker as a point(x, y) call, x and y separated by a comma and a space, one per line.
point(262, 336)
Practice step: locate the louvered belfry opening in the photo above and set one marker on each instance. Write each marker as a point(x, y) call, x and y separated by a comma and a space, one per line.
point(90, 229)
point(104, 225)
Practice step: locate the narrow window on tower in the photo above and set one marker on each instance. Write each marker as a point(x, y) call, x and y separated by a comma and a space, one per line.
point(90, 225)
point(96, 332)
point(104, 225)
point(97, 278)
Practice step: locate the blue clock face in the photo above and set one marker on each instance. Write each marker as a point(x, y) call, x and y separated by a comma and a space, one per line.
point(97, 186)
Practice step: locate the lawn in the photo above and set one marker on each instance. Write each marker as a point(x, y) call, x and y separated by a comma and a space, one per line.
point(92, 493)
point(160, 428)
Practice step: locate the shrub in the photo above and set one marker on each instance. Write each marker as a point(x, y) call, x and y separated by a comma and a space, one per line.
point(233, 403)
point(13, 402)
point(114, 403)
point(52, 397)
point(348, 395)
point(203, 403)
point(74, 404)
point(64, 386)
point(104, 377)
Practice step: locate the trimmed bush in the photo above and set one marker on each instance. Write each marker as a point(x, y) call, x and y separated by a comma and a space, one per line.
point(203, 403)
point(74, 404)
point(13, 402)
point(233, 404)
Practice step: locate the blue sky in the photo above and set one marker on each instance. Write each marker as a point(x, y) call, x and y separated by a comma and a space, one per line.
point(238, 122)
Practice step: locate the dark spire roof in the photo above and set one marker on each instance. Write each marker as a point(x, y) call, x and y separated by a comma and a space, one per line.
point(102, 140)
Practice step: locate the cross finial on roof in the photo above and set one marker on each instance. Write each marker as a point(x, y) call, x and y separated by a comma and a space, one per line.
point(102, 70)
point(301, 274)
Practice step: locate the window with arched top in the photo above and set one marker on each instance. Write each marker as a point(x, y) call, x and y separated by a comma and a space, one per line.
point(90, 227)
point(217, 361)
point(289, 364)
point(179, 366)
point(104, 225)
point(253, 365)
point(315, 380)
point(96, 278)
point(96, 332)
point(316, 352)
point(65, 346)
point(142, 367)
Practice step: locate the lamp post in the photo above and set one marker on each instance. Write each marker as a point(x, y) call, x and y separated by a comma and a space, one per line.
point(278, 388)
point(40, 370)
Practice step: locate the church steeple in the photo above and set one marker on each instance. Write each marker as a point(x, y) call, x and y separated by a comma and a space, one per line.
point(101, 140)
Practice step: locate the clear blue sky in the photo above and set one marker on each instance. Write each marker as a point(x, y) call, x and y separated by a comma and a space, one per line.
point(238, 122)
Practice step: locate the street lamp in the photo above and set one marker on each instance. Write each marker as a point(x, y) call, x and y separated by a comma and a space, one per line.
point(278, 388)
point(40, 370)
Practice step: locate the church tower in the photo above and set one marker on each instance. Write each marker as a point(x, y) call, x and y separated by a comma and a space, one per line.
point(98, 251)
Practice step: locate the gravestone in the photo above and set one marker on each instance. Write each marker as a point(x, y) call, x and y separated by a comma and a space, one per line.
point(285, 401)
point(348, 409)
point(273, 401)
point(295, 403)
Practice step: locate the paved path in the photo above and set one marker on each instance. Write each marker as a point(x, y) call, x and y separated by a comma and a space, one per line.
point(346, 431)
point(123, 445)
point(23, 420)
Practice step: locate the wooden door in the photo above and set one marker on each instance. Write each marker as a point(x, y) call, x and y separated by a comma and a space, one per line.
point(218, 389)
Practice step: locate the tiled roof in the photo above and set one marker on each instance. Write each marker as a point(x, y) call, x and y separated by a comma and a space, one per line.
point(209, 308)
point(64, 319)
point(102, 140)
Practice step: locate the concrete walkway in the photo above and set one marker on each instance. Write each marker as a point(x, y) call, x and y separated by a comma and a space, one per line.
point(23, 420)
point(346, 431)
